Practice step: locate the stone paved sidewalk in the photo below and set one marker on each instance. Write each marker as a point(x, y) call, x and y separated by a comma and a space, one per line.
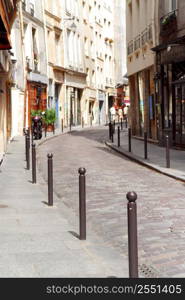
point(156, 155)
point(161, 201)
point(40, 241)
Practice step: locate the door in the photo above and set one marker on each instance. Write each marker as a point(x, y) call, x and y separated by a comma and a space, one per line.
point(57, 91)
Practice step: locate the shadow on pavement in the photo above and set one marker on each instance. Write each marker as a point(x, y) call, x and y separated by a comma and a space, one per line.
point(76, 235)
point(98, 135)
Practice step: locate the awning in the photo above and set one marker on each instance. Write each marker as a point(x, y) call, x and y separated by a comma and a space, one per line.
point(180, 40)
point(5, 42)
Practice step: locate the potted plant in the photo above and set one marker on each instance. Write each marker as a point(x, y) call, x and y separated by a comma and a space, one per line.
point(50, 118)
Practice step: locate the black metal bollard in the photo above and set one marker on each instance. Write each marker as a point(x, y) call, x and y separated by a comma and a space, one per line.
point(112, 133)
point(82, 203)
point(50, 179)
point(118, 136)
point(45, 127)
point(114, 126)
point(28, 152)
point(129, 140)
point(82, 122)
point(145, 146)
point(126, 122)
point(132, 234)
point(53, 128)
point(121, 123)
point(34, 178)
point(167, 152)
point(110, 130)
point(25, 145)
point(62, 125)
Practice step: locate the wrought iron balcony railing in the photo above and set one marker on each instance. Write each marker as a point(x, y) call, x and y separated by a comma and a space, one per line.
point(137, 42)
point(168, 23)
point(130, 47)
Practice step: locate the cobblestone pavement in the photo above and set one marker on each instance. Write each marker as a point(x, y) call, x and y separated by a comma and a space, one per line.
point(160, 204)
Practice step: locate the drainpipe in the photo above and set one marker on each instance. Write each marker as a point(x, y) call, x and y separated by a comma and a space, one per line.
point(24, 66)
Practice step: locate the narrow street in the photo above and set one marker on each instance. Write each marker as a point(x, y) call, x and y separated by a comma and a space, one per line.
point(160, 203)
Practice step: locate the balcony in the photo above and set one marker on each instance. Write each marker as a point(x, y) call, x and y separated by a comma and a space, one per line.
point(150, 36)
point(130, 47)
point(137, 42)
point(144, 36)
point(168, 24)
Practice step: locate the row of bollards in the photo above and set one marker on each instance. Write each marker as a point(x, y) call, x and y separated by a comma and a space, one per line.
point(131, 206)
point(111, 137)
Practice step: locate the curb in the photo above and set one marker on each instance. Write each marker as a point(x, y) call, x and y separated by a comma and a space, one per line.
point(131, 157)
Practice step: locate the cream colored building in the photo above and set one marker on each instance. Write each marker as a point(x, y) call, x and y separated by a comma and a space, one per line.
point(80, 47)
point(140, 28)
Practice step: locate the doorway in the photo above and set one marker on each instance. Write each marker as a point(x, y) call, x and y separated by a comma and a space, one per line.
point(179, 115)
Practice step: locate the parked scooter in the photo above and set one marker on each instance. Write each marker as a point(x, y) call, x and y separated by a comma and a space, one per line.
point(37, 127)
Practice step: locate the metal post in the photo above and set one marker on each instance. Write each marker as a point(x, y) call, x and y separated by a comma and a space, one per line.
point(121, 123)
point(82, 122)
point(132, 234)
point(53, 128)
point(28, 151)
point(114, 125)
point(110, 130)
point(34, 180)
point(126, 122)
point(167, 152)
point(145, 146)
point(32, 134)
point(118, 136)
point(129, 140)
point(50, 179)
point(25, 145)
point(91, 120)
point(82, 203)
point(62, 124)
point(45, 130)
point(112, 133)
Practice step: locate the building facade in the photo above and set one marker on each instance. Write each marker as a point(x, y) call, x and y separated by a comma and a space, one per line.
point(8, 10)
point(170, 71)
point(86, 55)
point(34, 56)
point(140, 64)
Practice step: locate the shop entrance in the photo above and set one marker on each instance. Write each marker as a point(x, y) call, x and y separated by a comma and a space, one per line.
point(179, 114)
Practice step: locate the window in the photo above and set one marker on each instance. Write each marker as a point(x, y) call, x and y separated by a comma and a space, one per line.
point(93, 78)
point(87, 78)
point(35, 49)
point(32, 7)
point(173, 5)
point(58, 50)
point(86, 46)
point(24, 4)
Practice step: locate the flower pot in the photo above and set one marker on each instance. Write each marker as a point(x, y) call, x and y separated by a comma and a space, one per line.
point(50, 127)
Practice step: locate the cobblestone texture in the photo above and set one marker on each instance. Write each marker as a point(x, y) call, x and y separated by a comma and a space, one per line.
point(160, 204)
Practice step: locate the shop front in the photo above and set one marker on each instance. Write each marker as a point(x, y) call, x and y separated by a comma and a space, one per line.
point(101, 99)
point(170, 87)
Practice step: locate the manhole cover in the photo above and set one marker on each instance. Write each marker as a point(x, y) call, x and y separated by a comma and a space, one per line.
point(3, 206)
point(148, 271)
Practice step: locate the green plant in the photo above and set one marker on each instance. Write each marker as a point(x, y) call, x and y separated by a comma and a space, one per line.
point(36, 112)
point(50, 116)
